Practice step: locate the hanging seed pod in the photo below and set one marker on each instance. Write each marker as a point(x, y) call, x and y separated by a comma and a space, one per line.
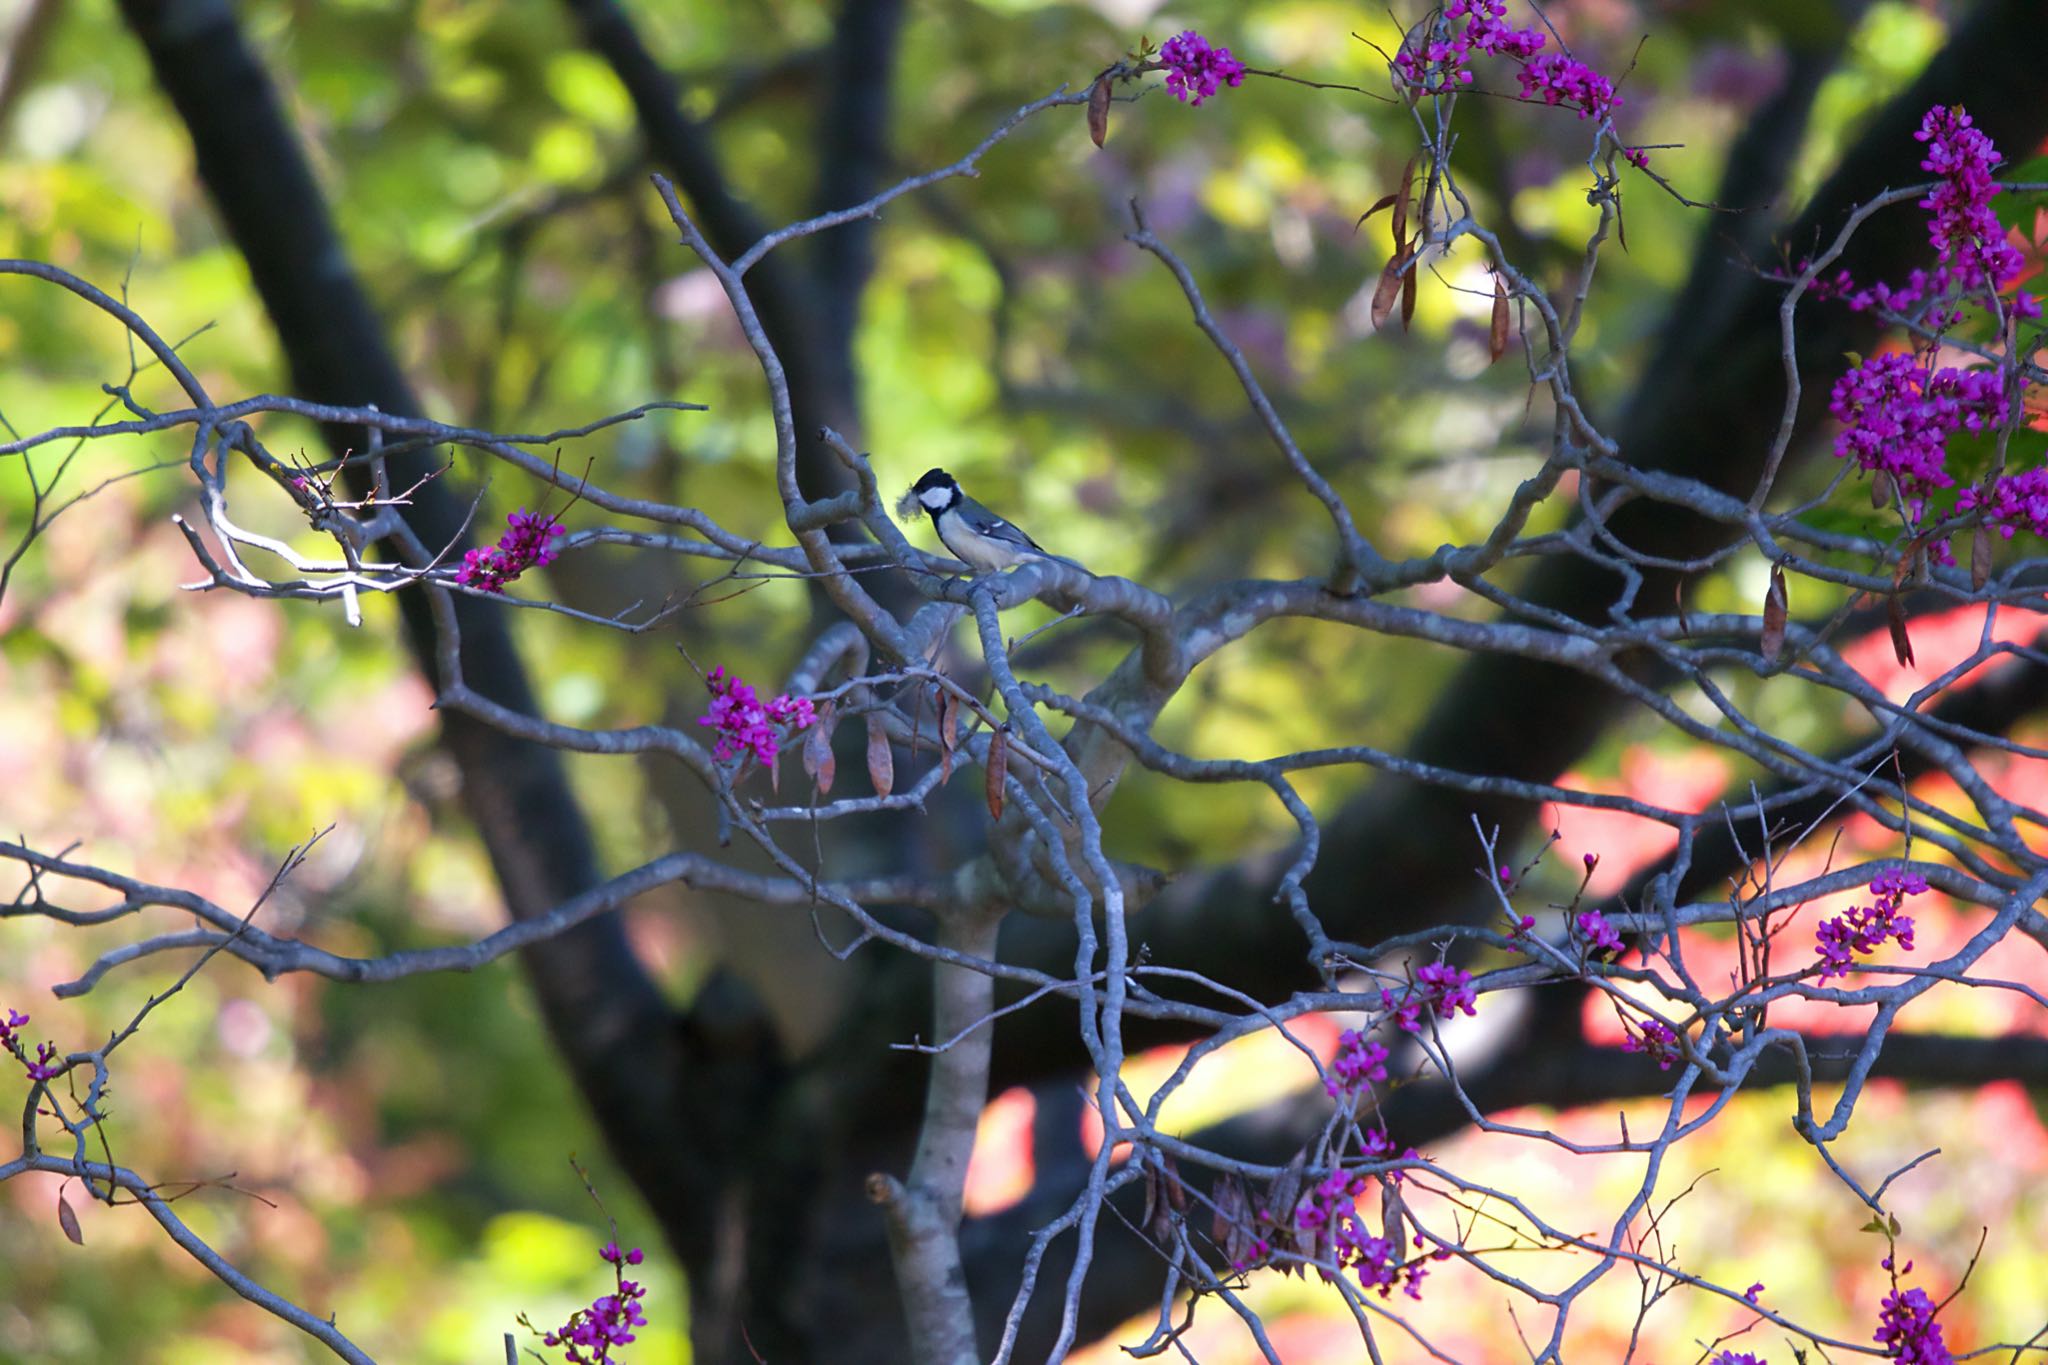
point(1775, 610)
point(1098, 111)
point(1902, 643)
point(1387, 291)
point(67, 1219)
point(881, 762)
point(998, 764)
point(949, 729)
point(819, 763)
point(1497, 331)
point(1980, 557)
point(1385, 201)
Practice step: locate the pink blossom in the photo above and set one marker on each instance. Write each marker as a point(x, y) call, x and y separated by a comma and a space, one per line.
point(1972, 256)
point(1556, 78)
point(1600, 936)
point(1441, 62)
point(1439, 986)
point(528, 542)
point(46, 1065)
point(1359, 1062)
point(1897, 416)
point(590, 1333)
point(1907, 1329)
point(1863, 928)
point(1655, 1040)
point(1195, 70)
point(746, 724)
point(1328, 1217)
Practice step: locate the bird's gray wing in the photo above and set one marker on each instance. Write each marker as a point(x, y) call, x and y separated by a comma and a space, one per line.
point(986, 523)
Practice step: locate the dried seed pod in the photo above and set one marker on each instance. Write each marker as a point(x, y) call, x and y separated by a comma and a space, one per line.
point(819, 763)
point(1385, 201)
point(1902, 643)
point(1388, 290)
point(1775, 610)
point(998, 765)
point(1401, 206)
point(1980, 557)
point(67, 1219)
point(881, 762)
point(1497, 332)
point(1098, 111)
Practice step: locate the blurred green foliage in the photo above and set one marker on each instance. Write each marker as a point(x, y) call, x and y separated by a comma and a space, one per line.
point(489, 181)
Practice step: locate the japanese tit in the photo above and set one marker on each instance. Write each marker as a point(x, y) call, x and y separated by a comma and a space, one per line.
point(975, 535)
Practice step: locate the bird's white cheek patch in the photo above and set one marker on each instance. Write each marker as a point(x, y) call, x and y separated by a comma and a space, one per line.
point(935, 498)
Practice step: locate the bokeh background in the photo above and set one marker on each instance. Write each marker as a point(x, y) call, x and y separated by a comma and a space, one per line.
point(400, 1155)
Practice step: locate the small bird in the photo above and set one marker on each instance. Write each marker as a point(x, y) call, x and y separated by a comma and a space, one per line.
point(975, 535)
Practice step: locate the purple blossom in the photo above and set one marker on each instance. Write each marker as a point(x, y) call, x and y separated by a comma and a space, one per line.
point(1557, 78)
point(46, 1065)
point(1907, 1330)
point(1972, 256)
point(1736, 1358)
point(1655, 1040)
point(1863, 928)
point(1195, 70)
point(1897, 416)
point(1441, 62)
point(1359, 1062)
point(2014, 502)
point(1970, 249)
point(590, 1333)
point(1440, 986)
point(1600, 936)
point(528, 541)
point(1328, 1217)
point(747, 724)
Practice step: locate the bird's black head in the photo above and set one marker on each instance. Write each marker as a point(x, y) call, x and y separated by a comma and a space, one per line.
point(936, 491)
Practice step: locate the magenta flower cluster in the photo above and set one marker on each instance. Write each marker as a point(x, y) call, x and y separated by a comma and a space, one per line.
point(590, 1333)
point(1971, 253)
point(1195, 70)
point(1443, 62)
point(746, 724)
point(2015, 502)
point(45, 1065)
point(528, 541)
point(1897, 416)
point(1327, 1217)
point(1898, 412)
point(1600, 937)
point(1439, 986)
point(1736, 1358)
point(1359, 1062)
point(1655, 1040)
point(1862, 928)
point(1973, 259)
point(1906, 1326)
point(1556, 78)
